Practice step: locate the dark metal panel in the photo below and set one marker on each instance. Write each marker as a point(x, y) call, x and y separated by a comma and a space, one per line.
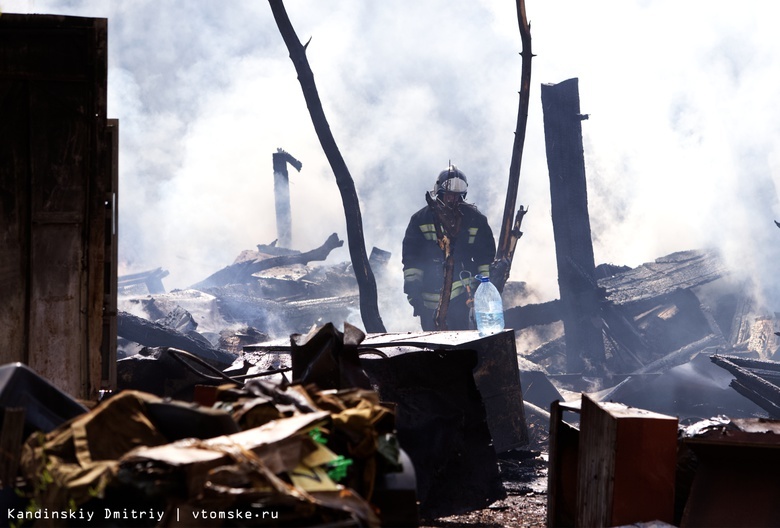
point(496, 374)
point(562, 471)
point(458, 400)
point(441, 424)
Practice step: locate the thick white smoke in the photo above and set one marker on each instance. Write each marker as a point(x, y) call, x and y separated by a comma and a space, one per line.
point(681, 144)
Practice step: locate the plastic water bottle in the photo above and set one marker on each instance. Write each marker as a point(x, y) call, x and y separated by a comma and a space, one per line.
point(488, 307)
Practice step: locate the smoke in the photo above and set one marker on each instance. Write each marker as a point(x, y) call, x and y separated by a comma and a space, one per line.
point(681, 145)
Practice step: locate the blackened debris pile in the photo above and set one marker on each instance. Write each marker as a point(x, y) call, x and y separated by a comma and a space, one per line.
point(311, 457)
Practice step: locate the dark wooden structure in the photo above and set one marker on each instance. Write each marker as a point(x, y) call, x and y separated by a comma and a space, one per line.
point(58, 201)
point(580, 297)
point(617, 469)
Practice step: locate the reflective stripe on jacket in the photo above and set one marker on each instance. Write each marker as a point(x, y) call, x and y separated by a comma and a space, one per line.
point(423, 260)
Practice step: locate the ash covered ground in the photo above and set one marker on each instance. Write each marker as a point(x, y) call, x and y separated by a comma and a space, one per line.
point(524, 475)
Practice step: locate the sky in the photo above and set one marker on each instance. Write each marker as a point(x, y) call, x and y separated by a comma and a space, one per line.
point(682, 144)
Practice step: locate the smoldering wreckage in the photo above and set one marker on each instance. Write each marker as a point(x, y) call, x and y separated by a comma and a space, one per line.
point(644, 395)
point(399, 429)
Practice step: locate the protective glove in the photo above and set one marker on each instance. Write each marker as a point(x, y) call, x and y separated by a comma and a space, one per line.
point(418, 305)
point(499, 269)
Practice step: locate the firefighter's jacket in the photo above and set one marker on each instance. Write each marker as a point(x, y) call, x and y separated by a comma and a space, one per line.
point(423, 260)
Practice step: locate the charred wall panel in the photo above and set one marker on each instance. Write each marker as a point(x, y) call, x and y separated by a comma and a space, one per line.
point(14, 221)
point(54, 179)
point(55, 347)
point(580, 297)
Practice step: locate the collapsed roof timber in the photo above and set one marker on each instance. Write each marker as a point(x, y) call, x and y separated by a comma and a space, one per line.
point(656, 317)
point(662, 322)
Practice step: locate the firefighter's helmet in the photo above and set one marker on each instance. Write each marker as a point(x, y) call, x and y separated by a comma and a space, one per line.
point(451, 179)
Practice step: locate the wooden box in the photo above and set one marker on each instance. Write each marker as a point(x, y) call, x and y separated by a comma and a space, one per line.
point(625, 466)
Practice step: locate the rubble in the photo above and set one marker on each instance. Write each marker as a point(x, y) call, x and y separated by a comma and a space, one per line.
point(311, 457)
point(659, 316)
point(730, 473)
point(457, 438)
point(755, 379)
point(452, 424)
point(242, 271)
point(152, 334)
point(151, 281)
point(662, 322)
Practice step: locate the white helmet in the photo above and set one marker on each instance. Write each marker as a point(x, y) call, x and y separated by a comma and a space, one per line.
point(451, 179)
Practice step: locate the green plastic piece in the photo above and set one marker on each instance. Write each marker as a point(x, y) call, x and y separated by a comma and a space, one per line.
point(316, 435)
point(337, 469)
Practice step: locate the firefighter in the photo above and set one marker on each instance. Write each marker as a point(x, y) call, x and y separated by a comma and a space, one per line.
point(446, 232)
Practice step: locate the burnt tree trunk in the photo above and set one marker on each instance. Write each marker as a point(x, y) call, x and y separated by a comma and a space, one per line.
point(510, 231)
point(369, 309)
point(580, 296)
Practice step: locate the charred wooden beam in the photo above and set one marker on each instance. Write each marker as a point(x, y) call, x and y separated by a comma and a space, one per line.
point(683, 355)
point(761, 391)
point(282, 195)
point(767, 403)
point(242, 272)
point(580, 295)
point(755, 365)
point(151, 334)
point(151, 279)
point(520, 317)
point(629, 343)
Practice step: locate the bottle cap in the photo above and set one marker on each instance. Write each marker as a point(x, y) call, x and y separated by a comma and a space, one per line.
point(480, 278)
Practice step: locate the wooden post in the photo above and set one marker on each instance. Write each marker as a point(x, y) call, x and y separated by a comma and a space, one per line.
point(580, 296)
point(282, 195)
